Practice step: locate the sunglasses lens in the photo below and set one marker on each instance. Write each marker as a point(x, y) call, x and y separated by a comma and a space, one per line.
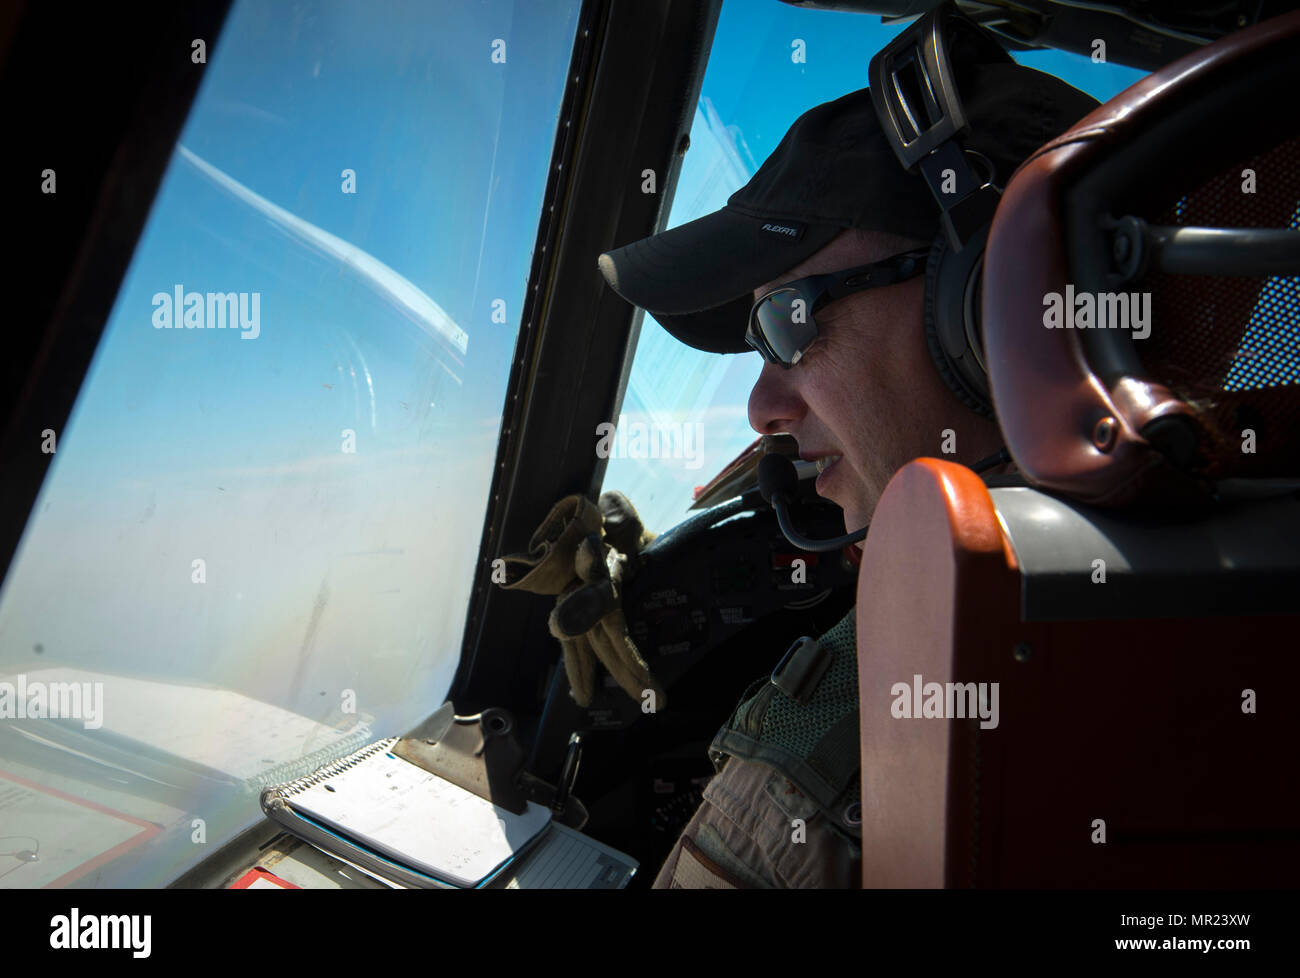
point(786, 324)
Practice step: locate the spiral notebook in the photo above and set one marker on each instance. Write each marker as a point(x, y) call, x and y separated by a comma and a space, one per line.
point(404, 821)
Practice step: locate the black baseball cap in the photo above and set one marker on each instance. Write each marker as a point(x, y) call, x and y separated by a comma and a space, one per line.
point(833, 170)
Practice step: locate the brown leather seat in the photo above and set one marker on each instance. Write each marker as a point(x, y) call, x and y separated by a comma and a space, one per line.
point(1109, 419)
point(1126, 701)
point(1145, 666)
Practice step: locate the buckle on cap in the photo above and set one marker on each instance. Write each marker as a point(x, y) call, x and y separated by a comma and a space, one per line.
point(801, 669)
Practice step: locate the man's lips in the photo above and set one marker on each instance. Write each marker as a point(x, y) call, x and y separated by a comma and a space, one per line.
point(827, 464)
point(823, 460)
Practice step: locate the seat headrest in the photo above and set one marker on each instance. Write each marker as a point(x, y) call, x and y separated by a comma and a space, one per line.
point(1109, 415)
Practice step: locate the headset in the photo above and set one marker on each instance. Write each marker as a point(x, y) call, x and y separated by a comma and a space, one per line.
point(914, 93)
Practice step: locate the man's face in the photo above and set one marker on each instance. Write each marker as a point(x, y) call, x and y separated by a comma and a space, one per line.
point(866, 390)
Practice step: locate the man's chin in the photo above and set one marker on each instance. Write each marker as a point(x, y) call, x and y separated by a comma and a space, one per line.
point(857, 514)
point(855, 500)
point(853, 519)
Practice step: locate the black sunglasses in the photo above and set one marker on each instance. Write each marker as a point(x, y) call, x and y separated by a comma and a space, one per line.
point(782, 323)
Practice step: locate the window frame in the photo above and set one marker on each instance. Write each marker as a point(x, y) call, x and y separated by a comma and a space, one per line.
point(109, 136)
point(644, 61)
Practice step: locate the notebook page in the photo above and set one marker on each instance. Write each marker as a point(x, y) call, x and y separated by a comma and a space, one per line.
point(419, 819)
point(568, 860)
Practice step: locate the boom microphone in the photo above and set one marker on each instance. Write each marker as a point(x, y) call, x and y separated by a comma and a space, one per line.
point(777, 481)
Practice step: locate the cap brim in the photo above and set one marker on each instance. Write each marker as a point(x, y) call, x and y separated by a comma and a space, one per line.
point(698, 279)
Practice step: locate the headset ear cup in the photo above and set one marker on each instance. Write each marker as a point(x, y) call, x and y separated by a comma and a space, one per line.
point(944, 312)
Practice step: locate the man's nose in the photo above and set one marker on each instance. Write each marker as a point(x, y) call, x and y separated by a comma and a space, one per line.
point(774, 404)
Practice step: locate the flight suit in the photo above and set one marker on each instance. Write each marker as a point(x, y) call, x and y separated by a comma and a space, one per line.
point(784, 809)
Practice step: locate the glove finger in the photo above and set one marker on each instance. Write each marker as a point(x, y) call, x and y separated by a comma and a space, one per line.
point(623, 527)
point(556, 620)
point(548, 567)
point(598, 563)
point(580, 610)
point(617, 652)
point(580, 667)
point(591, 561)
point(576, 510)
point(579, 660)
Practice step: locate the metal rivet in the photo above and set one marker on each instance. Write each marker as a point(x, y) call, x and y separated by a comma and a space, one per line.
point(1104, 433)
point(1022, 652)
point(853, 814)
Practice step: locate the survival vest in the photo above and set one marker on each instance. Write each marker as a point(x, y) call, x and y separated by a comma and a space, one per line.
point(803, 721)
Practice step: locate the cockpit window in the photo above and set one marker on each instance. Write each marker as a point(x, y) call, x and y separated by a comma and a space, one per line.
point(256, 542)
point(684, 415)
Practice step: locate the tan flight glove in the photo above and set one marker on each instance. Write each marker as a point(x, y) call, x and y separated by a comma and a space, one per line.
point(580, 553)
point(547, 567)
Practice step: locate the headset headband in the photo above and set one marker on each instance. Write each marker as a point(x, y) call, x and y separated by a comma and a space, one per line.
point(914, 92)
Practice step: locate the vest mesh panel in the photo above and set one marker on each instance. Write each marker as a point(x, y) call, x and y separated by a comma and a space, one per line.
point(799, 729)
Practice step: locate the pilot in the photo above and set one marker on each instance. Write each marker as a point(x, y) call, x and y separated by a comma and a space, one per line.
point(862, 397)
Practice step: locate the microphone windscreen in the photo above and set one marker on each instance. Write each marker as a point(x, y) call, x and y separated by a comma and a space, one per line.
point(776, 476)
